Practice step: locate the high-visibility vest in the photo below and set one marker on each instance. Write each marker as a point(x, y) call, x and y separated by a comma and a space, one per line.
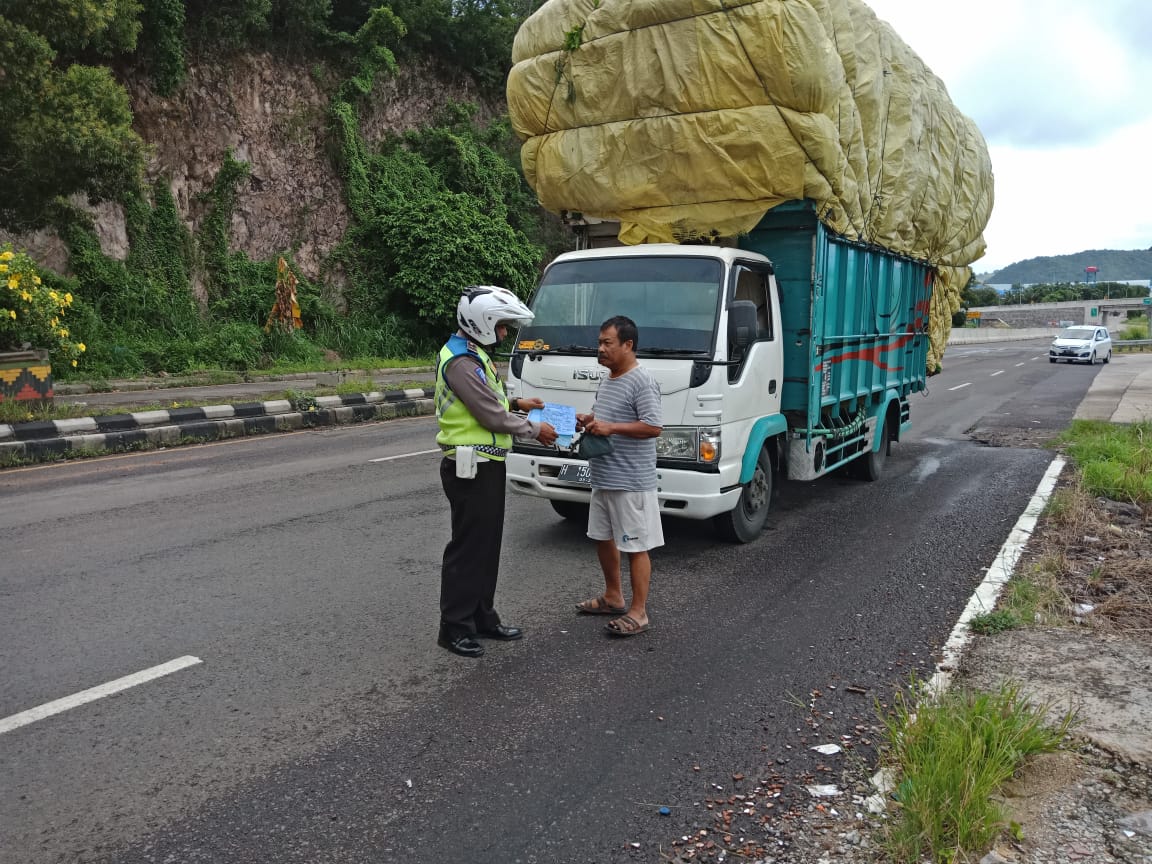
point(457, 425)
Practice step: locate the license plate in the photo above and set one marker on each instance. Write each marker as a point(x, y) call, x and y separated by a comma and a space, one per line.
point(581, 475)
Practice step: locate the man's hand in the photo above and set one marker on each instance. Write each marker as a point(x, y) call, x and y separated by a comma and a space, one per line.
point(597, 427)
point(583, 420)
point(547, 435)
point(528, 404)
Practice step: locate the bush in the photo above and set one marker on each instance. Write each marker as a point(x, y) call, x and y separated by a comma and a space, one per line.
point(32, 313)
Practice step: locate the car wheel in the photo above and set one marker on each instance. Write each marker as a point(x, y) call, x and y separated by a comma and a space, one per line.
point(744, 523)
point(1092, 359)
point(1108, 357)
point(1051, 359)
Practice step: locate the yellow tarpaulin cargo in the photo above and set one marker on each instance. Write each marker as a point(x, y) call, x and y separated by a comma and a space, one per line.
point(689, 118)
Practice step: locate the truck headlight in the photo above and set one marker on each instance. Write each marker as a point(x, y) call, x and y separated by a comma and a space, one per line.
point(689, 443)
point(677, 442)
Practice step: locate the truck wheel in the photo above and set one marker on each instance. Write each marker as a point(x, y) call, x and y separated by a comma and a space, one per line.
point(871, 465)
point(573, 510)
point(745, 521)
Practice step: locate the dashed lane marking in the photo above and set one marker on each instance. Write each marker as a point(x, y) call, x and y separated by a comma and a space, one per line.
point(994, 374)
point(93, 693)
point(960, 386)
point(405, 455)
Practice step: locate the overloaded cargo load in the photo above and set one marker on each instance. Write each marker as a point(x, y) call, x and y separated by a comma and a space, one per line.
point(685, 119)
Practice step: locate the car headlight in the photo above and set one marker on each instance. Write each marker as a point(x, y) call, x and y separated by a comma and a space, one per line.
point(689, 443)
point(676, 443)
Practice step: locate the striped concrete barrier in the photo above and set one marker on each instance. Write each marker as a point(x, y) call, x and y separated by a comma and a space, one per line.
point(88, 436)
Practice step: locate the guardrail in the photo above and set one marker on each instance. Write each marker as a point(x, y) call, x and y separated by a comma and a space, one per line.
point(1135, 344)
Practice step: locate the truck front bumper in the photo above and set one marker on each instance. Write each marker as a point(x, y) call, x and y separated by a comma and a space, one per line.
point(689, 494)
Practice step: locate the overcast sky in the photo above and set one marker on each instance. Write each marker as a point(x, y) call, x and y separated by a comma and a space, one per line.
point(1062, 91)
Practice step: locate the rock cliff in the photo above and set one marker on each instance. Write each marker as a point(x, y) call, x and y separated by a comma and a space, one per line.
point(273, 114)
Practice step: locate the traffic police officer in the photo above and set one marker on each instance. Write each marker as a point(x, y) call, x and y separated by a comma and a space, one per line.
point(476, 430)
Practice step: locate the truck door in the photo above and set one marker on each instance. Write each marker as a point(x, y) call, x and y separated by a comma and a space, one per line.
point(755, 376)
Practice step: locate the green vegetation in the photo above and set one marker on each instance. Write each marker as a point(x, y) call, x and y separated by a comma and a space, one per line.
point(1113, 264)
point(432, 210)
point(1113, 460)
point(951, 753)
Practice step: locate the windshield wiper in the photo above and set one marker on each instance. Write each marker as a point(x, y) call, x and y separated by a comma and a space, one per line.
point(571, 349)
point(667, 351)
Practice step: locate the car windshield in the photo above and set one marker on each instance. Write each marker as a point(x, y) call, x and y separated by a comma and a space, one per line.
point(673, 300)
point(1078, 333)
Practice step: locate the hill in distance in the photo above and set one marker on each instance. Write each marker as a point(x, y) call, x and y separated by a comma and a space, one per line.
point(1113, 264)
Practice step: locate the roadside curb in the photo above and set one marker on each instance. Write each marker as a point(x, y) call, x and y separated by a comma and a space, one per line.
point(91, 436)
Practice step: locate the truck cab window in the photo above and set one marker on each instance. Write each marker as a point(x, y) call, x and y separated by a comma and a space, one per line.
point(753, 285)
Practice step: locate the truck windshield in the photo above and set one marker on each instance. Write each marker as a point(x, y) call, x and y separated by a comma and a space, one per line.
point(673, 301)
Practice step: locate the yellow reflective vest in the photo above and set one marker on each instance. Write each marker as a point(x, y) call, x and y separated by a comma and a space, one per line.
point(457, 425)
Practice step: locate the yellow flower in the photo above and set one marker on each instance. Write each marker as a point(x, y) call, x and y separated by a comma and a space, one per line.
point(55, 321)
point(64, 331)
point(81, 347)
point(3, 268)
point(14, 281)
point(6, 255)
point(11, 313)
point(35, 280)
point(68, 299)
point(25, 296)
point(53, 295)
point(73, 362)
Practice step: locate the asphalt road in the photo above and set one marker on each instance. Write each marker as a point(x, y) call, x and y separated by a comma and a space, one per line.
point(324, 725)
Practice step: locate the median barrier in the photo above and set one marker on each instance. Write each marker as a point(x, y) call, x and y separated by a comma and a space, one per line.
point(90, 436)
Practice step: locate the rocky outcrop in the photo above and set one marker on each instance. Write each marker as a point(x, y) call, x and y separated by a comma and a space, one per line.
point(273, 114)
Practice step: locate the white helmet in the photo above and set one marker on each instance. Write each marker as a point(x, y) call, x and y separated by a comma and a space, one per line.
point(484, 306)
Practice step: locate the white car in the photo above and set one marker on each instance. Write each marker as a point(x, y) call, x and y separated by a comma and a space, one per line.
point(1084, 344)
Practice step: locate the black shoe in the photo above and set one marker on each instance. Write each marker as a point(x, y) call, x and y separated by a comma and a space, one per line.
point(502, 633)
point(464, 645)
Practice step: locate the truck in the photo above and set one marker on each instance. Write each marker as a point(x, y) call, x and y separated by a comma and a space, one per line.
point(791, 353)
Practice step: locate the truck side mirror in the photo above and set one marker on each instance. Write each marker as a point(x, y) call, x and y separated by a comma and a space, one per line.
point(741, 325)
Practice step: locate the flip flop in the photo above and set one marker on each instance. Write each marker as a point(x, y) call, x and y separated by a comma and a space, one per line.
point(599, 606)
point(626, 626)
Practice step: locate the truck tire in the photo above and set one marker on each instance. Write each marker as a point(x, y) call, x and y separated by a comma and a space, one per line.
point(574, 510)
point(746, 520)
point(870, 466)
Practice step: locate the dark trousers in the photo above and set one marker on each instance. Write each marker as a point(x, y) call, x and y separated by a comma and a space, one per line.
point(472, 556)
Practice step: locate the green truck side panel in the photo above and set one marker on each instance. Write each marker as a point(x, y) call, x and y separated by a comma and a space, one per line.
point(762, 430)
point(854, 318)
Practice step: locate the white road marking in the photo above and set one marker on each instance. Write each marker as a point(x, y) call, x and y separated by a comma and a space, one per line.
point(405, 455)
point(959, 386)
point(1021, 364)
point(93, 693)
point(984, 599)
point(994, 374)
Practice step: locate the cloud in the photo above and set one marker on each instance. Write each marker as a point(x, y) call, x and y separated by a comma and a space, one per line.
point(1062, 74)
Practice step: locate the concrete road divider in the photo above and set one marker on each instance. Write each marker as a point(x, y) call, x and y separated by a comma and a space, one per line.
point(90, 436)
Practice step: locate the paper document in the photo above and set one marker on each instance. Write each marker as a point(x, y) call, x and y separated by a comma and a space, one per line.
point(562, 418)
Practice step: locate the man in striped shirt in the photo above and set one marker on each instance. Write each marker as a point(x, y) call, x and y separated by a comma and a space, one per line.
point(624, 515)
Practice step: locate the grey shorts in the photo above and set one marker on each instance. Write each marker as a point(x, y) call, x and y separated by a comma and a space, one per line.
point(632, 519)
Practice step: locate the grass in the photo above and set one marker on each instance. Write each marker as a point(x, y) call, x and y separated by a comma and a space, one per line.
point(1114, 460)
point(953, 753)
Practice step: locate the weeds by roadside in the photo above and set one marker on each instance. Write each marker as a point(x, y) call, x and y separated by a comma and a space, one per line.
point(951, 754)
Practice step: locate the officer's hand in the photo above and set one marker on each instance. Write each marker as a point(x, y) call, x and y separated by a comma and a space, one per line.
point(528, 404)
point(547, 435)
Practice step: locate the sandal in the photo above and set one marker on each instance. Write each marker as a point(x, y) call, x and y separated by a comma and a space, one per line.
point(599, 606)
point(625, 625)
